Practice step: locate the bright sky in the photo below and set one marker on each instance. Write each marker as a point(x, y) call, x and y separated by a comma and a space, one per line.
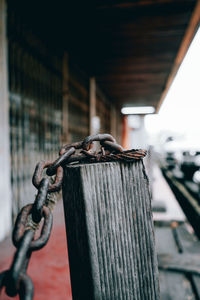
point(180, 110)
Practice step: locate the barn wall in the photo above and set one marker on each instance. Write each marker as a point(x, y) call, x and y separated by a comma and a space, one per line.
point(48, 104)
point(35, 96)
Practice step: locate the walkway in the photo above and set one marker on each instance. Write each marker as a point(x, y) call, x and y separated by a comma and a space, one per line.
point(163, 196)
point(48, 267)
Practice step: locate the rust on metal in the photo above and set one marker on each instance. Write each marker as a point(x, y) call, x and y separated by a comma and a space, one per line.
point(51, 170)
point(37, 176)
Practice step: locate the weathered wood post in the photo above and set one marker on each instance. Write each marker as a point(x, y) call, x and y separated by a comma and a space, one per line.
point(110, 231)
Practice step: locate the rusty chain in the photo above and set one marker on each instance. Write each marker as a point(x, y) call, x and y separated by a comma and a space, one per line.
point(15, 280)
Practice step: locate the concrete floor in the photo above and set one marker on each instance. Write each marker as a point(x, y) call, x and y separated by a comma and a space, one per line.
point(48, 267)
point(162, 194)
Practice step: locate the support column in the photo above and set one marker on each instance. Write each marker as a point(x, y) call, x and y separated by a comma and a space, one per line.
point(113, 121)
point(110, 234)
point(126, 134)
point(92, 104)
point(65, 108)
point(5, 184)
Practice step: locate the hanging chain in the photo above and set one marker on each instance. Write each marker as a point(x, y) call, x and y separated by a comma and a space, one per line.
point(15, 280)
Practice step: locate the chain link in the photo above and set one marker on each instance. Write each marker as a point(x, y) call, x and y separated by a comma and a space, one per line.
point(15, 280)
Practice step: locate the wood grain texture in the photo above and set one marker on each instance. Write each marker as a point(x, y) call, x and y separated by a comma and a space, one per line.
point(110, 232)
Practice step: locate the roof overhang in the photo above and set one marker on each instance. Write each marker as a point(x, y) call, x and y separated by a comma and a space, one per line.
point(133, 48)
point(140, 47)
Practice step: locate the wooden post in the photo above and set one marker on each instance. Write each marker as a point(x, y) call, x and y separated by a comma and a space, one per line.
point(65, 110)
point(5, 188)
point(110, 232)
point(126, 134)
point(92, 103)
point(113, 120)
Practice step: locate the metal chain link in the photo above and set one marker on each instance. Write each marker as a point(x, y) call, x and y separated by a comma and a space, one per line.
point(15, 280)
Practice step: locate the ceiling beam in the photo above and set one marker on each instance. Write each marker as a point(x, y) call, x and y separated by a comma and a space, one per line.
point(129, 4)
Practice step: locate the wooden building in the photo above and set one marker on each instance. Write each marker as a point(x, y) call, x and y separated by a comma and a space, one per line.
point(64, 63)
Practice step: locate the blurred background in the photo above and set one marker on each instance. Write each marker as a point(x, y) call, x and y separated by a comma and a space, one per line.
point(129, 68)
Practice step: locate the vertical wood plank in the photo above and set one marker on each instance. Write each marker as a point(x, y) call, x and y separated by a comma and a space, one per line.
point(65, 109)
point(110, 231)
point(113, 120)
point(126, 133)
point(92, 103)
point(5, 194)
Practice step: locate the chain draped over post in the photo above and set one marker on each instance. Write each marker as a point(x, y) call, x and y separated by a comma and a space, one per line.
point(15, 280)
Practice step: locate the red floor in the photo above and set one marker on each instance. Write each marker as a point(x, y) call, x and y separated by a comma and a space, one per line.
point(48, 267)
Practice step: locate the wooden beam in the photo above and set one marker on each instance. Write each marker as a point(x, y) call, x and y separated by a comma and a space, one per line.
point(110, 232)
point(123, 77)
point(129, 4)
point(113, 120)
point(137, 68)
point(65, 109)
point(190, 32)
point(92, 103)
point(125, 133)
